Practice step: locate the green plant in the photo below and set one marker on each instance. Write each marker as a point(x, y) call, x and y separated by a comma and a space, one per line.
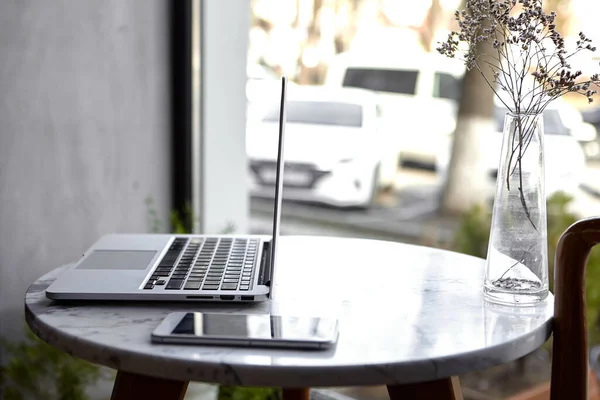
point(248, 393)
point(473, 234)
point(181, 221)
point(36, 370)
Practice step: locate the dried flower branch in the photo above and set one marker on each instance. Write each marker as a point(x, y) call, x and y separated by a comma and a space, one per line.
point(529, 62)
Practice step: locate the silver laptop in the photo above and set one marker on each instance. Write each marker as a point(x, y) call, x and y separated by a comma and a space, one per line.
point(170, 267)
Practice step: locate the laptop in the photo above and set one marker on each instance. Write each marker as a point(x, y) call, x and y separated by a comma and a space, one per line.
point(174, 267)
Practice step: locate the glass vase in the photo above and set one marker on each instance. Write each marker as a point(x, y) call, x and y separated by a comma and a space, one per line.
point(517, 258)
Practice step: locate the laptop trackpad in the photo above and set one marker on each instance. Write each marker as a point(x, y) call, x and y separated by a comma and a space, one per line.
point(118, 259)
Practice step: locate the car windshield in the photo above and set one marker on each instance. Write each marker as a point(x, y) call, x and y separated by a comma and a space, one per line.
point(319, 113)
point(552, 123)
point(382, 80)
point(447, 86)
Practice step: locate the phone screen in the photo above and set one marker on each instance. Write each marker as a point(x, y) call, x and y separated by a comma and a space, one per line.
point(256, 327)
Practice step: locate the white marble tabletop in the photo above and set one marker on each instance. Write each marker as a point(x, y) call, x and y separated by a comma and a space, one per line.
point(407, 314)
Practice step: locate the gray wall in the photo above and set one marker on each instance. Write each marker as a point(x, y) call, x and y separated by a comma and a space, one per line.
point(84, 131)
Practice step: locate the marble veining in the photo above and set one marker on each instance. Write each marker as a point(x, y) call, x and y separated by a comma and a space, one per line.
point(407, 314)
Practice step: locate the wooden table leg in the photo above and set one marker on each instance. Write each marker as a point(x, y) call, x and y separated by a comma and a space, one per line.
point(443, 389)
point(133, 386)
point(296, 394)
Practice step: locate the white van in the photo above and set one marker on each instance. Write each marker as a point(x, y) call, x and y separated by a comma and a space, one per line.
point(418, 94)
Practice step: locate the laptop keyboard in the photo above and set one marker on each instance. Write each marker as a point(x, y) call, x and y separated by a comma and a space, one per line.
point(206, 264)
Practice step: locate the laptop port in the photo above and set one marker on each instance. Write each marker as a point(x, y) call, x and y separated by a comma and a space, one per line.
point(227, 297)
point(247, 298)
point(200, 297)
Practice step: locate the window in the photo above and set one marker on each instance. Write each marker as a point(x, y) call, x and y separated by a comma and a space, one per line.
point(447, 86)
point(382, 80)
point(319, 113)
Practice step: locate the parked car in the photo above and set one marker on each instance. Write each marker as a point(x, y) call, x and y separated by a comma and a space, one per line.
point(262, 84)
point(564, 158)
point(591, 145)
point(332, 150)
point(412, 88)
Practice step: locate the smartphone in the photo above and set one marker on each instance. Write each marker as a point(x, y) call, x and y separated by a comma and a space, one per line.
point(247, 330)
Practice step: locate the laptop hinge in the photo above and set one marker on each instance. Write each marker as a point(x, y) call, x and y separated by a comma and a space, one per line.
point(265, 271)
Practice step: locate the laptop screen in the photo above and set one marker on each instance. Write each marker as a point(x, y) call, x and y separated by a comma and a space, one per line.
point(278, 181)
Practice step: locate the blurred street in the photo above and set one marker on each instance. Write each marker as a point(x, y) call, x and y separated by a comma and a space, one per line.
point(407, 215)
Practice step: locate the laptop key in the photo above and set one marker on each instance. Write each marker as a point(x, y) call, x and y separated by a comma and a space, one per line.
point(163, 270)
point(174, 284)
point(192, 285)
point(149, 285)
point(210, 287)
point(229, 286)
point(244, 287)
point(160, 282)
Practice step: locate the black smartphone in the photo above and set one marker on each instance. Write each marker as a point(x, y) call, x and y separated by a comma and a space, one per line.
point(247, 330)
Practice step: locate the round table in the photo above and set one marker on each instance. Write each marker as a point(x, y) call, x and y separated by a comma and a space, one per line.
point(411, 317)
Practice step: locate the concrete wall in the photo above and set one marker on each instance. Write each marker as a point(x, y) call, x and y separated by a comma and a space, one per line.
point(84, 131)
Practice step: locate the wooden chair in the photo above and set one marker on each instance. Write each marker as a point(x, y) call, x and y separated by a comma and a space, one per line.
point(569, 350)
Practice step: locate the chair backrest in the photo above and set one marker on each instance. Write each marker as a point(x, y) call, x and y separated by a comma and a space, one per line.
point(569, 351)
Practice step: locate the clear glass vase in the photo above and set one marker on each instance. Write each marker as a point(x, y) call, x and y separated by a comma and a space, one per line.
point(517, 259)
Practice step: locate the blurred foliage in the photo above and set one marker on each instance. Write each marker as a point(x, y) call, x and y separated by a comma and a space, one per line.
point(181, 221)
point(36, 370)
point(474, 232)
point(248, 393)
point(473, 235)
